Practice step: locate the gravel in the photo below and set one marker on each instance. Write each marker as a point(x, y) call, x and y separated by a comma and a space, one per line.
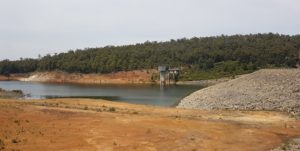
point(266, 89)
point(293, 145)
point(11, 94)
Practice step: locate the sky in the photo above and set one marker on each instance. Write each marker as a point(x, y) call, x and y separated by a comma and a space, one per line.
point(32, 27)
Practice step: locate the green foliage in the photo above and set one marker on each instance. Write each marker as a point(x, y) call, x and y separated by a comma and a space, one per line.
point(221, 69)
point(207, 57)
point(21, 66)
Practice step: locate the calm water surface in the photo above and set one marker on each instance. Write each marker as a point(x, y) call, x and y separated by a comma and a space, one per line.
point(137, 94)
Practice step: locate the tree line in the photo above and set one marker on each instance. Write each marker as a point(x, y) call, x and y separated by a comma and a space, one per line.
point(218, 53)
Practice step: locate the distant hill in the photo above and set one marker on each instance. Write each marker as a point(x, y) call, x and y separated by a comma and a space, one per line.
point(209, 57)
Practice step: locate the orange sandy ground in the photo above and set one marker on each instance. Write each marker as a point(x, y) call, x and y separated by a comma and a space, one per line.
point(3, 78)
point(13, 77)
point(82, 124)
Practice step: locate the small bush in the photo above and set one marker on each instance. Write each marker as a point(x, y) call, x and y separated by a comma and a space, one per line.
point(86, 108)
point(17, 122)
point(112, 109)
point(2, 145)
point(15, 141)
point(284, 148)
point(18, 91)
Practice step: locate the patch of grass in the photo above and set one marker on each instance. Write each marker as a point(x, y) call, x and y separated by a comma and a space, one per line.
point(15, 141)
point(284, 148)
point(201, 75)
point(17, 122)
point(2, 145)
point(148, 131)
point(112, 109)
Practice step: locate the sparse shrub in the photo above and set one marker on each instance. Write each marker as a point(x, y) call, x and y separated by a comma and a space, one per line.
point(112, 109)
point(148, 131)
point(17, 122)
point(41, 133)
point(2, 145)
point(86, 108)
point(284, 148)
point(15, 141)
point(18, 91)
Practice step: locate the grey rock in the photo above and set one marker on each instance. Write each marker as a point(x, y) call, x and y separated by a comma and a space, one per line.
point(267, 89)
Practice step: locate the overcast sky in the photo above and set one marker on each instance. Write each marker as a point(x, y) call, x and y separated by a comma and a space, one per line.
point(32, 27)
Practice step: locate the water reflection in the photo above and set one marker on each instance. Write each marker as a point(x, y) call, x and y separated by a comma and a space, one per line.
point(139, 94)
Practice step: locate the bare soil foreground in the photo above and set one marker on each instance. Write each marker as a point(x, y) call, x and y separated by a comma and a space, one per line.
point(268, 89)
point(82, 124)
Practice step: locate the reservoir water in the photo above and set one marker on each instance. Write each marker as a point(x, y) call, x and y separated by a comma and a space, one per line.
point(137, 94)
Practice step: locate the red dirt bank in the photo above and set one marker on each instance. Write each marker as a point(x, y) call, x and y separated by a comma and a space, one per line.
point(124, 77)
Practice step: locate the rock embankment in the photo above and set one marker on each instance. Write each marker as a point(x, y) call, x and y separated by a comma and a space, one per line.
point(267, 89)
point(11, 94)
point(292, 145)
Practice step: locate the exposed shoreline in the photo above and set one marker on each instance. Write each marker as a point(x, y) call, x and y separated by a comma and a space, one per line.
point(124, 77)
point(129, 77)
point(138, 77)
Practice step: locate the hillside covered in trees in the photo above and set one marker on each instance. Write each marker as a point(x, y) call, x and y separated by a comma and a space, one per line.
point(207, 57)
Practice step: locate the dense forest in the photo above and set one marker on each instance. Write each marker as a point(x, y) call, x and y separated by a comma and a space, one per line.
point(206, 56)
